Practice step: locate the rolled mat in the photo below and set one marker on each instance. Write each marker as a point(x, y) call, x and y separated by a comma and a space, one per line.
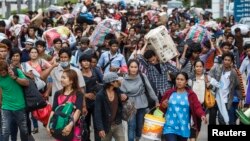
point(245, 119)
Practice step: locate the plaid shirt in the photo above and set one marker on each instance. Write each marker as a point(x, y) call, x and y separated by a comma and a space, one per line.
point(160, 81)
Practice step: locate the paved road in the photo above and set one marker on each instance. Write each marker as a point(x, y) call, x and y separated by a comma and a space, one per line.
point(43, 135)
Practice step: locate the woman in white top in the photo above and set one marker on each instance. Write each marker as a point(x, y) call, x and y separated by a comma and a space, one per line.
point(198, 83)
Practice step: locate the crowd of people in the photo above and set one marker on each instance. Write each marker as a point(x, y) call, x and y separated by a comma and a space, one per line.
point(98, 79)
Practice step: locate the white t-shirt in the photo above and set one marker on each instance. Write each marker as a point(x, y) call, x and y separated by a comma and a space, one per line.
point(224, 83)
point(199, 88)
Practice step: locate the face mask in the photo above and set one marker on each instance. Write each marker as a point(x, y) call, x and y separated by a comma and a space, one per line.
point(64, 64)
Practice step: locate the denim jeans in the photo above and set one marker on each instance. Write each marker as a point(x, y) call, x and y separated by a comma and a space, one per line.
point(1, 127)
point(18, 116)
point(174, 137)
point(34, 121)
point(135, 124)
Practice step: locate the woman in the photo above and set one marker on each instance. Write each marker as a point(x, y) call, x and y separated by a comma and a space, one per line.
point(134, 87)
point(198, 84)
point(108, 109)
point(92, 78)
point(181, 103)
point(37, 63)
point(71, 91)
point(32, 69)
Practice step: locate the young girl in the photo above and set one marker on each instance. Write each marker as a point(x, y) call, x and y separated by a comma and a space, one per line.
point(70, 89)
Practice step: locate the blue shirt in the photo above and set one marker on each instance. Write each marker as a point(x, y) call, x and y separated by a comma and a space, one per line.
point(178, 115)
point(117, 62)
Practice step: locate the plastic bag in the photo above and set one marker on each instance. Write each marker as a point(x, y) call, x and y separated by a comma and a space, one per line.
point(43, 114)
point(61, 32)
point(244, 28)
point(102, 29)
point(128, 110)
point(22, 18)
point(85, 18)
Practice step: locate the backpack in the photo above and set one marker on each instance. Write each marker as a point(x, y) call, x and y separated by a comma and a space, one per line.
point(33, 98)
point(61, 118)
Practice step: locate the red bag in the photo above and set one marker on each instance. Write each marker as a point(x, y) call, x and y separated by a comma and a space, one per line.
point(43, 114)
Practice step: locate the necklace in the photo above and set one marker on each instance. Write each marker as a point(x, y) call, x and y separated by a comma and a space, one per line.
point(67, 92)
point(111, 95)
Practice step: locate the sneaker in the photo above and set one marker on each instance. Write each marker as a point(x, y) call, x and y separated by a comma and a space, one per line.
point(35, 130)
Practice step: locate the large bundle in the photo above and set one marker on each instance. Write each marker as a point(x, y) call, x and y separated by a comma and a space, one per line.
point(22, 19)
point(85, 18)
point(102, 29)
point(79, 7)
point(3, 36)
point(152, 15)
point(111, 1)
point(61, 32)
point(54, 8)
point(213, 25)
point(38, 19)
point(195, 11)
point(243, 27)
point(198, 33)
point(162, 43)
point(16, 30)
point(67, 17)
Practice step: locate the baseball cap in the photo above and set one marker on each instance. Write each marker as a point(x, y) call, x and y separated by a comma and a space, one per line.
point(30, 41)
point(111, 77)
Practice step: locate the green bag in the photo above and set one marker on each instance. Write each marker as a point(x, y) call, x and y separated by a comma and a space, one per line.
point(61, 118)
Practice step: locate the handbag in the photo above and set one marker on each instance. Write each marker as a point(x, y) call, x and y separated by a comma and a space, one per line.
point(33, 98)
point(128, 110)
point(43, 114)
point(151, 102)
point(209, 97)
point(40, 84)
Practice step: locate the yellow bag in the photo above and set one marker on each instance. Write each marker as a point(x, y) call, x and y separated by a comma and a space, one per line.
point(209, 99)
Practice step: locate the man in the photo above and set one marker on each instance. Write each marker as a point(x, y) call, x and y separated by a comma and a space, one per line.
point(108, 109)
point(3, 51)
point(56, 73)
point(226, 83)
point(25, 53)
point(157, 72)
point(83, 50)
point(112, 61)
point(41, 46)
point(13, 103)
point(105, 46)
point(234, 49)
point(2, 27)
point(239, 40)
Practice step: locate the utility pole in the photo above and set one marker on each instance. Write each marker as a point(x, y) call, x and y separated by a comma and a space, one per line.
point(30, 5)
point(42, 4)
point(8, 7)
point(37, 3)
point(19, 6)
point(3, 9)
